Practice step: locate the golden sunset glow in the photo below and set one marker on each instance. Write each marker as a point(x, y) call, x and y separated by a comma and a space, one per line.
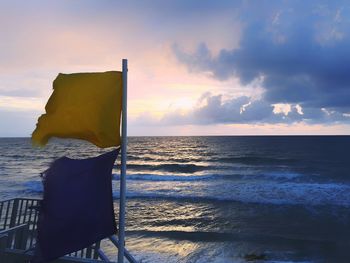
point(171, 72)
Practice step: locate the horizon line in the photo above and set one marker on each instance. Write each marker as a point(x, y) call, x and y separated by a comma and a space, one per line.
point(210, 135)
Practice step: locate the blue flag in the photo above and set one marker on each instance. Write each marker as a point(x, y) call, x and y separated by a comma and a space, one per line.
point(77, 207)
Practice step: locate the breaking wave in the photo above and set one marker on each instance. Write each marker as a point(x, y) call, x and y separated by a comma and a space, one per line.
point(308, 194)
point(157, 178)
point(34, 186)
point(170, 167)
point(256, 160)
point(240, 191)
point(275, 176)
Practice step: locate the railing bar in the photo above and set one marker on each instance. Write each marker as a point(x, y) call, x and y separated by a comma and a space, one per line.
point(29, 213)
point(12, 199)
point(8, 200)
point(36, 212)
point(88, 252)
point(5, 205)
point(35, 199)
point(13, 219)
point(102, 255)
point(19, 212)
point(7, 213)
point(35, 217)
point(25, 212)
point(31, 224)
point(2, 206)
point(12, 229)
point(25, 206)
point(14, 212)
point(96, 248)
point(127, 254)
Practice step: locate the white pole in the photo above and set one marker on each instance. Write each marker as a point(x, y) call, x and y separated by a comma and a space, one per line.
point(121, 233)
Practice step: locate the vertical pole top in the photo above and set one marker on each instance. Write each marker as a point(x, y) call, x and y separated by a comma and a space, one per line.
point(125, 64)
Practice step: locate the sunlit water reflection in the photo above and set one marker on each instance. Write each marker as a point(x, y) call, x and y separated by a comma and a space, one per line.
point(216, 199)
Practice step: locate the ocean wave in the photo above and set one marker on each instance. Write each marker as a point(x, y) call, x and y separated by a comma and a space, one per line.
point(230, 175)
point(273, 176)
point(205, 189)
point(157, 178)
point(255, 160)
point(34, 186)
point(170, 167)
point(174, 159)
point(249, 160)
point(188, 235)
point(309, 194)
point(212, 236)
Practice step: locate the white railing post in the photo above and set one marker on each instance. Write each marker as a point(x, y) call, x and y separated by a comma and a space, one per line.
point(122, 200)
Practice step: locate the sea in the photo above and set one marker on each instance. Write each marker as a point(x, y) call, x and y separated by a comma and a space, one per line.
point(215, 199)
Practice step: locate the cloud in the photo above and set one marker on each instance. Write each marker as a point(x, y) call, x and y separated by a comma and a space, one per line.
point(213, 109)
point(300, 50)
point(297, 50)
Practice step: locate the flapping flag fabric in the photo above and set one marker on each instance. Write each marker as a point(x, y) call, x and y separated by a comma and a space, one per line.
point(77, 208)
point(83, 106)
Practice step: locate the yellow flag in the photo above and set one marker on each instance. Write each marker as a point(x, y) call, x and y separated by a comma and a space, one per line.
point(83, 106)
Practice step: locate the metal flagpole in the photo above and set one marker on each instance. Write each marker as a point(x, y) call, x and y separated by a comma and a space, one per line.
point(121, 233)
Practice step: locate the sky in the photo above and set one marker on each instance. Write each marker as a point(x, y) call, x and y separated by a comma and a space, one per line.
point(195, 67)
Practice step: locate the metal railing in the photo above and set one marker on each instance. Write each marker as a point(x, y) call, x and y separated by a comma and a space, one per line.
point(16, 212)
point(18, 231)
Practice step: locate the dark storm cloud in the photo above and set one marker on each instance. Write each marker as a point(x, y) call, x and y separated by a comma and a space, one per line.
point(298, 71)
point(214, 110)
point(302, 51)
point(244, 110)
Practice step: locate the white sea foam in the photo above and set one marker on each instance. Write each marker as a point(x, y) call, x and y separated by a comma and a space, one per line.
point(34, 186)
point(255, 192)
point(241, 191)
point(156, 177)
point(281, 175)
